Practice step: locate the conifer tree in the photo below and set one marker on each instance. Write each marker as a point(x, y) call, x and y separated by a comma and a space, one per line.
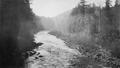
point(117, 2)
point(83, 5)
point(108, 4)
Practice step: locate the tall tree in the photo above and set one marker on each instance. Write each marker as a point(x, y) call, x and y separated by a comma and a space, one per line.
point(83, 5)
point(108, 10)
point(117, 2)
point(12, 13)
point(108, 4)
point(82, 2)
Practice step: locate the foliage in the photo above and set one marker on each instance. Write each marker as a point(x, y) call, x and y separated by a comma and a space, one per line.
point(15, 31)
point(108, 3)
point(94, 55)
point(105, 25)
point(104, 51)
point(117, 3)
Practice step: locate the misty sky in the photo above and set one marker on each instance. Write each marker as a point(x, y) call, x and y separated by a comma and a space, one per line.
point(51, 8)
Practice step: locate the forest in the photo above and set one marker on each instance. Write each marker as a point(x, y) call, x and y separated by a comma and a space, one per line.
point(93, 30)
point(16, 32)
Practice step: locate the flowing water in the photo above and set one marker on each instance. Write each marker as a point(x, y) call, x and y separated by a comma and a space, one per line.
point(53, 53)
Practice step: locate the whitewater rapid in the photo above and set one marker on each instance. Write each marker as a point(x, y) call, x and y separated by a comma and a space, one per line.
point(55, 52)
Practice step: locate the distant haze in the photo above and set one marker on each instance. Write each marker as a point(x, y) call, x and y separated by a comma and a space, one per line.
point(51, 8)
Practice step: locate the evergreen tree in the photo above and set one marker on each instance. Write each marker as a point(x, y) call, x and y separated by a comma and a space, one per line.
point(108, 4)
point(117, 2)
point(83, 5)
point(12, 14)
point(108, 11)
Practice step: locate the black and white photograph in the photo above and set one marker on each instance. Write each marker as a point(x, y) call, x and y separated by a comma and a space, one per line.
point(59, 33)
